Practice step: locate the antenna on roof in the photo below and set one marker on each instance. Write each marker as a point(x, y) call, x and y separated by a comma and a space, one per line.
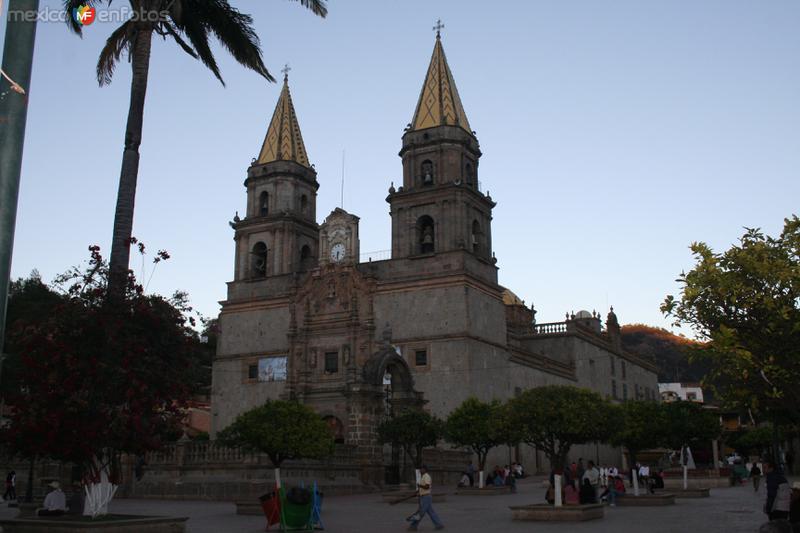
point(341, 203)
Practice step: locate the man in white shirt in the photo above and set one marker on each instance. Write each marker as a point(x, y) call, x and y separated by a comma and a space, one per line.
point(425, 501)
point(55, 503)
point(593, 475)
point(644, 475)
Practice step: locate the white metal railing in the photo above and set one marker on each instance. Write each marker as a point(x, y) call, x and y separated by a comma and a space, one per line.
point(378, 255)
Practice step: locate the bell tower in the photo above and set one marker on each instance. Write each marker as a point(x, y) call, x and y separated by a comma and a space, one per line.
point(440, 206)
point(279, 234)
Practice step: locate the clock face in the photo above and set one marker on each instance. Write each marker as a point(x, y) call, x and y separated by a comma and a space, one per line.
point(337, 252)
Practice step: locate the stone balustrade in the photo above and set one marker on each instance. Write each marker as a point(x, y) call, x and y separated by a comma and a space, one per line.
point(550, 328)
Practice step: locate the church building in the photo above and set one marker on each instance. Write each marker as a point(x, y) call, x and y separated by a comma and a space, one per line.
point(306, 319)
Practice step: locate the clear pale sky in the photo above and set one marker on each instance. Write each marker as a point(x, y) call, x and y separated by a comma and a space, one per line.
point(614, 134)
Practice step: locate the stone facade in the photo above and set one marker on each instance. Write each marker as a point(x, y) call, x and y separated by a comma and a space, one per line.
point(305, 319)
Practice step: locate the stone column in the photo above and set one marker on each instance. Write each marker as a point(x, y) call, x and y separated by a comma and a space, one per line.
point(364, 405)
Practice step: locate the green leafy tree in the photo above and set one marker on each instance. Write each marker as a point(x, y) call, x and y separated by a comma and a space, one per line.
point(752, 441)
point(745, 304)
point(641, 427)
point(412, 430)
point(204, 356)
point(478, 426)
point(508, 433)
point(556, 417)
point(688, 424)
point(283, 430)
point(179, 20)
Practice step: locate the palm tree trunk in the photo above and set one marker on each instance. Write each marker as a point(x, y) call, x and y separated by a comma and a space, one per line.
point(29, 488)
point(126, 194)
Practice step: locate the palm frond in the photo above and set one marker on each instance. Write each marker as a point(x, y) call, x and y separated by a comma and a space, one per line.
point(317, 7)
point(119, 41)
point(69, 8)
point(233, 29)
point(172, 31)
point(197, 33)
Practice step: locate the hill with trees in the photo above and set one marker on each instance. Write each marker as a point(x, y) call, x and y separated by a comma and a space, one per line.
point(670, 351)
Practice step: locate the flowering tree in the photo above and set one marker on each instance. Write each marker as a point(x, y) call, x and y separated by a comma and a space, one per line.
point(98, 381)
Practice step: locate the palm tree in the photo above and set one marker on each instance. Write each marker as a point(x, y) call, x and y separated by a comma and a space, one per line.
point(181, 20)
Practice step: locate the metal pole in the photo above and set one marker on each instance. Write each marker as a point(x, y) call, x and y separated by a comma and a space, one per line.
point(17, 62)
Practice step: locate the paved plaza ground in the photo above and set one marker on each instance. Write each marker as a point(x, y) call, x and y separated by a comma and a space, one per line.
point(730, 510)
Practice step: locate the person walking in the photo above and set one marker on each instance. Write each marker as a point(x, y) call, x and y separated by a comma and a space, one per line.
point(779, 494)
point(794, 506)
point(755, 475)
point(424, 489)
point(11, 486)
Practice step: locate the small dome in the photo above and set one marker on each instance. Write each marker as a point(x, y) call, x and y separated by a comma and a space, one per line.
point(509, 298)
point(583, 314)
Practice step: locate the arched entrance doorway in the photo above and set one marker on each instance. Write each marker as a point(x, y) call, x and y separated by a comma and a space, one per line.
point(389, 373)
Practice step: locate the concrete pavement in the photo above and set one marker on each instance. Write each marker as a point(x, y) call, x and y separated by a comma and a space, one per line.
point(729, 510)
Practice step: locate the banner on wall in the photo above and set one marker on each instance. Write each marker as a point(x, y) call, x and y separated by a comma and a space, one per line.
point(272, 369)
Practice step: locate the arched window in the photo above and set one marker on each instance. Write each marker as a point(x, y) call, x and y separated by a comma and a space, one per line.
point(259, 260)
point(304, 204)
point(425, 235)
point(476, 236)
point(469, 175)
point(305, 257)
point(263, 204)
point(427, 173)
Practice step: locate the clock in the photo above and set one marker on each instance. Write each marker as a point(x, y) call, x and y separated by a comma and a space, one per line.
point(338, 238)
point(338, 252)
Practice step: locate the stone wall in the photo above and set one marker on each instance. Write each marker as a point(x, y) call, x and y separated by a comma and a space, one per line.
point(207, 471)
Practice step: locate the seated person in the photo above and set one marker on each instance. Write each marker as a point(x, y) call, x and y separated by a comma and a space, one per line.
point(587, 494)
point(511, 481)
point(77, 500)
point(499, 478)
point(55, 503)
point(571, 496)
point(616, 487)
point(658, 480)
point(550, 495)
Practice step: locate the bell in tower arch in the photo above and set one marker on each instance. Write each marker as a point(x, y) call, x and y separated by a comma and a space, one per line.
point(427, 173)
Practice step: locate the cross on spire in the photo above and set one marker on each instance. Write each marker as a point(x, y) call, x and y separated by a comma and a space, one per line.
point(286, 68)
point(438, 28)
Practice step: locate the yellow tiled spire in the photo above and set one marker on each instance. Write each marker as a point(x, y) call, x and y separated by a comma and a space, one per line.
point(439, 103)
point(284, 142)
